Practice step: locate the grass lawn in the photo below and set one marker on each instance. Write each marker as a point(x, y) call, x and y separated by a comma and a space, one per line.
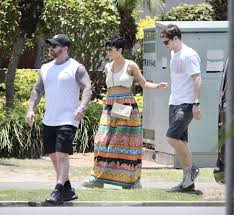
point(41, 170)
point(106, 195)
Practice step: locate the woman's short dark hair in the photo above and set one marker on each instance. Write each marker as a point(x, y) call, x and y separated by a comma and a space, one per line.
point(170, 31)
point(115, 41)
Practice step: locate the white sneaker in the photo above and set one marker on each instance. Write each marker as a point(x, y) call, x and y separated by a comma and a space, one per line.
point(190, 175)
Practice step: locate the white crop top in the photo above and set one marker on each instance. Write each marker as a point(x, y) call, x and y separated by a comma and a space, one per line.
point(121, 78)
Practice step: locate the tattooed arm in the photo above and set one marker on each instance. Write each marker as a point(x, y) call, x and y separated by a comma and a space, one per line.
point(36, 94)
point(84, 82)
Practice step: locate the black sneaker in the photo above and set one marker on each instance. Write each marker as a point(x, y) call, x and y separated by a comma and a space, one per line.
point(179, 188)
point(69, 192)
point(69, 195)
point(56, 197)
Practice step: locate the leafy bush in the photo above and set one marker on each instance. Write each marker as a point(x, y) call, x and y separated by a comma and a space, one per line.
point(18, 140)
point(190, 12)
point(139, 100)
point(146, 22)
point(84, 139)
point(87, 22)
point(9, 16)
point(138, 50)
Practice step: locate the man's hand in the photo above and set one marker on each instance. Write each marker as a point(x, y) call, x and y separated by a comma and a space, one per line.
point(163, 85)
point(30, 118)
point(196, 112)
point(79, 114)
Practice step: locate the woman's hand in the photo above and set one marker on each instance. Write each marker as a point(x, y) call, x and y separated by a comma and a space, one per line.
point(163, 85)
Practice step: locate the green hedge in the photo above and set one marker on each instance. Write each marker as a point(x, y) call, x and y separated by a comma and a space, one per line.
point(190, 12)
point(18, 140)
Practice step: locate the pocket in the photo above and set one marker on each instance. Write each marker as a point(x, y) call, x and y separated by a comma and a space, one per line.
point(180, 115)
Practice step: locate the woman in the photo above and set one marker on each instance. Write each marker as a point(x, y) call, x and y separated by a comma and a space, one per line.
point(118, 143)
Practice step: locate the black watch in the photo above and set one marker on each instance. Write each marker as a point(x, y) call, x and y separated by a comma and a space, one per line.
point(196, 103)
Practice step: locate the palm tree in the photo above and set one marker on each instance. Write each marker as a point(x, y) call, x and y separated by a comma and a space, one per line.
point(128, 27)
point(220, 9)
point(30, 12)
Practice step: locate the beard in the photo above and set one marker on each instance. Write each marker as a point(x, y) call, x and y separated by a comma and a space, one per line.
point(54, 54)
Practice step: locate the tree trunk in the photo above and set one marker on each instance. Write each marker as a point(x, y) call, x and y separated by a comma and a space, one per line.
point(40, 52)
point(10, 76)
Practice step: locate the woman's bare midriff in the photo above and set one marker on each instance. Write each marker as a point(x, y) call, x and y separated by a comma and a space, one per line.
point(118, 90)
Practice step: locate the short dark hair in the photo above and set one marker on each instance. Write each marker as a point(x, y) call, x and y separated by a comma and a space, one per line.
point(115, 41)
point(170, 31)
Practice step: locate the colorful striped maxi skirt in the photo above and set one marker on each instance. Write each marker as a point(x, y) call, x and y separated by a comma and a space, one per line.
point(118, 145)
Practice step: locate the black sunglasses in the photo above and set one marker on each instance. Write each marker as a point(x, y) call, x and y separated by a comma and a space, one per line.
point(166, 42)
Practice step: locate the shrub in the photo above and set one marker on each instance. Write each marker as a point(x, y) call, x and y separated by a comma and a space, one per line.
point(139, 100)
point(146, 22)
point(87, 22)
point(84, 139)
point(138, 50)
point(9, 16)
point(18, 140)
point(190, 12)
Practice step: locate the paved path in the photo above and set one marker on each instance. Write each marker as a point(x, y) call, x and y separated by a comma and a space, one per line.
point(113, 210)
point(48, 185)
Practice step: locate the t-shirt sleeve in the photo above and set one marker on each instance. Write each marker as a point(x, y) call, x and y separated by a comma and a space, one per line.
point(192, 65)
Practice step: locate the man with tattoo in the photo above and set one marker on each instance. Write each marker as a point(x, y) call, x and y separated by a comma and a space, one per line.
point(61, 81)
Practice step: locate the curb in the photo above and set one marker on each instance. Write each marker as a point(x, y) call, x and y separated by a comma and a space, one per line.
point(114, 204)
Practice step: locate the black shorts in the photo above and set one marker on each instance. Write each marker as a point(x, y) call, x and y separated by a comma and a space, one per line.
point(179, 118)
point(58, 138)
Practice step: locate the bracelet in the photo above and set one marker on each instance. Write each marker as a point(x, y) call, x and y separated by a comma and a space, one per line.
point(196, 103)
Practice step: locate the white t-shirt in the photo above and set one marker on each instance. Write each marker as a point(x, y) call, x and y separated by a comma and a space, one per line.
point(183, 65)
point(61, 92)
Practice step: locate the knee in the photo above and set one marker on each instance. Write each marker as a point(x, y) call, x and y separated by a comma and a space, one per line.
point(53, 156)
point(171, 141)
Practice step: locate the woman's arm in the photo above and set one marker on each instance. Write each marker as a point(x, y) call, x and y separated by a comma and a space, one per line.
point(135, 71)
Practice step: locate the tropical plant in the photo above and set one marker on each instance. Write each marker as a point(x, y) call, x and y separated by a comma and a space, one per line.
point(128, 26)
point(84, 138)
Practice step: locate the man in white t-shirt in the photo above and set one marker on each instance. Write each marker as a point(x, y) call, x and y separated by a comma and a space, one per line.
point(184, 100)
point(61, 81)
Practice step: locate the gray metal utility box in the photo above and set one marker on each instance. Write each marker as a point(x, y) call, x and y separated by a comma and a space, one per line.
point(210, 40)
